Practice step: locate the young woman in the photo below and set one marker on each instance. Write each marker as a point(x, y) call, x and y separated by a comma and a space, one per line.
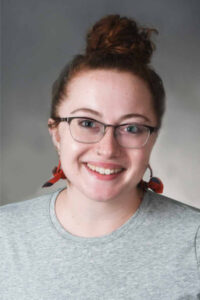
point(105, 236)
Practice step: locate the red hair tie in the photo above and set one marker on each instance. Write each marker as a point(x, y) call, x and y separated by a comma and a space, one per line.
point(57, 175)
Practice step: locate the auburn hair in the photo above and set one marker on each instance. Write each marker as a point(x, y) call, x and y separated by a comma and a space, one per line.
point(115, 43)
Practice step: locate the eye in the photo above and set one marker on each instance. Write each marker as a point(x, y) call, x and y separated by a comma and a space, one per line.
point(87, 123)
point(134, 129)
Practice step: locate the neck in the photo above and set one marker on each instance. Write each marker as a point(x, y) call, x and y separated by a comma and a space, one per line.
point(84, 217)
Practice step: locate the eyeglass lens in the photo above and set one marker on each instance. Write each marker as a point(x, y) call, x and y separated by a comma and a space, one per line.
point(90, 131)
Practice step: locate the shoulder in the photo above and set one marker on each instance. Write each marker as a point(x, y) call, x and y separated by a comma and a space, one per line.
point(174, 218)
point(25, 213)
point(23, 207)
point(173, 214)
point(176, 222)
point(173, 209)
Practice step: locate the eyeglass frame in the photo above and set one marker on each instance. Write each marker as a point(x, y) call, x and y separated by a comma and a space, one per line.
point(69, 119)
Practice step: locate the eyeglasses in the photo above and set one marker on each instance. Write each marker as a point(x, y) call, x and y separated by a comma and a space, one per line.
point(89, 131)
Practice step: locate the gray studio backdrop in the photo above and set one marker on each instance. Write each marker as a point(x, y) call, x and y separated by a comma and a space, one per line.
point(39, 37)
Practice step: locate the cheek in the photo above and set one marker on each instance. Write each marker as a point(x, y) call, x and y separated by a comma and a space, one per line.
point(69, 156)
point(140, 160)
point(141, 155)
point(67, 144)
point(71, 151)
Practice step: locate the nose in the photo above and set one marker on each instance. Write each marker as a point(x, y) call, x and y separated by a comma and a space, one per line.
point(108, 146)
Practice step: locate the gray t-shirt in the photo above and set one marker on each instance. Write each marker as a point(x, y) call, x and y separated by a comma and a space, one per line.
point(154, 255)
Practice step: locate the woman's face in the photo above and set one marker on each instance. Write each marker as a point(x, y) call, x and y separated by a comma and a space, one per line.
point(107, 96)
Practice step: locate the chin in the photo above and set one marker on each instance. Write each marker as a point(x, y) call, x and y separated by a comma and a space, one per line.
point(103, 194)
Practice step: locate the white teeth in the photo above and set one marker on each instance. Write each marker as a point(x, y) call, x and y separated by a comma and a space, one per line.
point(104, 171)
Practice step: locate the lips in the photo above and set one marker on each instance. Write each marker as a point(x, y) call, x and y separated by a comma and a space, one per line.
point(105, 165)
point(104, 171)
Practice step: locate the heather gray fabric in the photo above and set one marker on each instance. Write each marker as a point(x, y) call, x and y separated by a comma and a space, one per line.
point(154, 255)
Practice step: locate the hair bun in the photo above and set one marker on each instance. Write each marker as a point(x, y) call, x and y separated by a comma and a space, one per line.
point(120, 35)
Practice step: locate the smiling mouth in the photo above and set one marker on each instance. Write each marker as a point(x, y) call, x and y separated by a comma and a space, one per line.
point(104, 171)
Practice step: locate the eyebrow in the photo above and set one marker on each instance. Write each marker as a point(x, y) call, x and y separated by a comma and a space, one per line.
point(89, 110)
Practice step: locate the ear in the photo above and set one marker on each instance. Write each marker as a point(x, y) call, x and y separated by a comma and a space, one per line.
point(54, 132)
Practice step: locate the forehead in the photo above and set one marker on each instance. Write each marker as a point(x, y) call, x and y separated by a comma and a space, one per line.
point(111, 93)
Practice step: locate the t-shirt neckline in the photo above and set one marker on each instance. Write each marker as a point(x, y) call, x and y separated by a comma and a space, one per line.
point(133, 222)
